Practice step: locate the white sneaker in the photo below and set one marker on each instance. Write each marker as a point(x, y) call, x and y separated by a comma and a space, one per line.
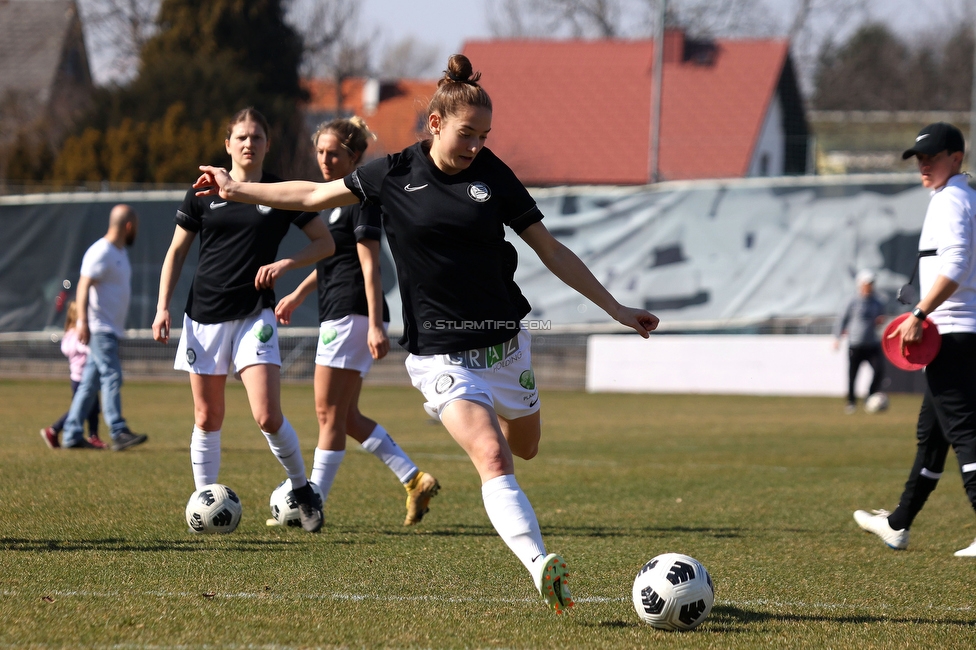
point(969, 551)
point(877, 523)
point(550, 579)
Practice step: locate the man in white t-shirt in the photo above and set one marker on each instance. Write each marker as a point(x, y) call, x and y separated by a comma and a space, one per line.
point(103, 302)
point(947, 277)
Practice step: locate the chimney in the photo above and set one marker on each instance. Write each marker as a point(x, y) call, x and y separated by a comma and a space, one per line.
point(371, 96)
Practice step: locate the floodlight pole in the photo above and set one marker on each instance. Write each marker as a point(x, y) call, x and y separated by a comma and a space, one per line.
point(656, 82)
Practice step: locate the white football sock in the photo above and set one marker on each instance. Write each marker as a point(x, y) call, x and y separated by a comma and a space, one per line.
point(380, 444)
point(513, 517)
point(324, 469)
point(205, 456)
point(286, 448)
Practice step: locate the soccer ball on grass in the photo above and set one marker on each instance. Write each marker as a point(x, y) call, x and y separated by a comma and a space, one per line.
point(284, 507)
point(673, 592)
point(214, 508)
point(876, 403)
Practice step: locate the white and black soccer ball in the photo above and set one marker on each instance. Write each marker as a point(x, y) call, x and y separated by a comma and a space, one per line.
point(214, 508)
point(284, 507)
point(673, 592)
point(876, 403)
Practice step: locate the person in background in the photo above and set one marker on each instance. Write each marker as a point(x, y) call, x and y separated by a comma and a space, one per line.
point(77, 354)
point(859, 322)
point(229, 316)
point(947, 278)
point(354, 318)
point(103, 303)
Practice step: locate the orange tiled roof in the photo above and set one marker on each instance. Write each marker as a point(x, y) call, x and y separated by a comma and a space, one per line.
point(397, 117)
point(578, 112)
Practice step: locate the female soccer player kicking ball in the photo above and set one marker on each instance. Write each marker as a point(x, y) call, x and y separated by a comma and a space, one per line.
point(445, 204)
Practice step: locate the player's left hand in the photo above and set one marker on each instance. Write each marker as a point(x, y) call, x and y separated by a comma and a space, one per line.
point(640, 320)
point(378, 342)
point(269, 273)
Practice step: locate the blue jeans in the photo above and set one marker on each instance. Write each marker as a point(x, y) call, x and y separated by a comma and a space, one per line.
point(104, 368)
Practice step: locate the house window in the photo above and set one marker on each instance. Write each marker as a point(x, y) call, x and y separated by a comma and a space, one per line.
point(764, 165)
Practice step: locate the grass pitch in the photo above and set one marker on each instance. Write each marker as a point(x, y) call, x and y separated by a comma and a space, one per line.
point(94, 550)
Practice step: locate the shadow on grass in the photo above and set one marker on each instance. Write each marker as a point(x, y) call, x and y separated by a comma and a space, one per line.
point(563, 531)
point(731, 619)
point(149, 546)
point(725, 620)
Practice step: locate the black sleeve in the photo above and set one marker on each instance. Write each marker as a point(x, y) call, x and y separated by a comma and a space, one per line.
point(518, 206)
point(367, 180)
point(301, 219)
point(368, 223)
point(189, 216)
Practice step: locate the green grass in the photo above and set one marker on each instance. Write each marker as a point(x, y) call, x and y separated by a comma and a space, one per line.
point(94, 550)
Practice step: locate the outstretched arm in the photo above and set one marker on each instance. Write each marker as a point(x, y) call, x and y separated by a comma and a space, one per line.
point(569, 268)
point(287, 195)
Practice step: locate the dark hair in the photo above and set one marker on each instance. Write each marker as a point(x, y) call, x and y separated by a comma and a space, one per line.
point(245, 114)
point(458, 88)
point(352, 133)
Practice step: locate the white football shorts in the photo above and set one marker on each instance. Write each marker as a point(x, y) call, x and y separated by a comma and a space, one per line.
point(343, 343)
point(499, 376)
point(209, 349)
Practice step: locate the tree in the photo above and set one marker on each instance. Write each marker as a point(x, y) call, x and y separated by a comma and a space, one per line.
point(206, 60)
point(876, 70)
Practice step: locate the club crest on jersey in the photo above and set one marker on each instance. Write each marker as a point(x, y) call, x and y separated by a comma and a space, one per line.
point(329, 335)
point(443, 383)
point(263, 332)
point(191, 356)
point(479, 191)
point(335, 214)
point(265, 209)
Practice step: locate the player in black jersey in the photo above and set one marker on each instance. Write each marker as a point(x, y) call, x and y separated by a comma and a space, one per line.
point(354, 318)
point(445, 204)
point(229, 316)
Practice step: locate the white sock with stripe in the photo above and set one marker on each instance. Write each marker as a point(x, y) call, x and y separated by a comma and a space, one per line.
point(204, 456)
point(284, 444)
point(325, 466)
point(381, 445)
point(513, 517)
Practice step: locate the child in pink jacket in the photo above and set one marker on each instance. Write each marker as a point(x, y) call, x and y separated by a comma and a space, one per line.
point(77, 353)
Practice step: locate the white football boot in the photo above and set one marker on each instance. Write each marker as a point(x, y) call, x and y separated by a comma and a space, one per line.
point(550, 579)
point(876, 522)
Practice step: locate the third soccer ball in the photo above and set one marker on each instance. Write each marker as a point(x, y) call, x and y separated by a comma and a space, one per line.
point(214, 508)
point(876, 403)
point(284, 507)
point(673, 592)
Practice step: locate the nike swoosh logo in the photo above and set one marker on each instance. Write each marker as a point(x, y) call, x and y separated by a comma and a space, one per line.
point(260, 352)
point(409, 188)
point(214, 205)
point(922, 137)
point(534, 402)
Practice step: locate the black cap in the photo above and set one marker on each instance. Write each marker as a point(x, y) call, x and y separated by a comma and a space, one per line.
point(935, 138)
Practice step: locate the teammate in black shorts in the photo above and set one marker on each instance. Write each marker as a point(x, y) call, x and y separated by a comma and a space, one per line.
point(445, 204)
point(229, 317)
point(354, 317)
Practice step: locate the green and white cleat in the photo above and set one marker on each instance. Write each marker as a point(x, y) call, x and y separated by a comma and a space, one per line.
point(550, 579)
point(271, 522)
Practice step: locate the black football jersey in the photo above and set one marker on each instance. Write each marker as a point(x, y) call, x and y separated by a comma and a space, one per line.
point(341, 285)
point(454, 267)
point(236, 239)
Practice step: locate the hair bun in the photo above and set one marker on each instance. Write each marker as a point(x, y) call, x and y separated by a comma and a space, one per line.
point(459, 70)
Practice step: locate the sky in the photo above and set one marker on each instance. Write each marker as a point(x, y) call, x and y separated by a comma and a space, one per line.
point(448, 23)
